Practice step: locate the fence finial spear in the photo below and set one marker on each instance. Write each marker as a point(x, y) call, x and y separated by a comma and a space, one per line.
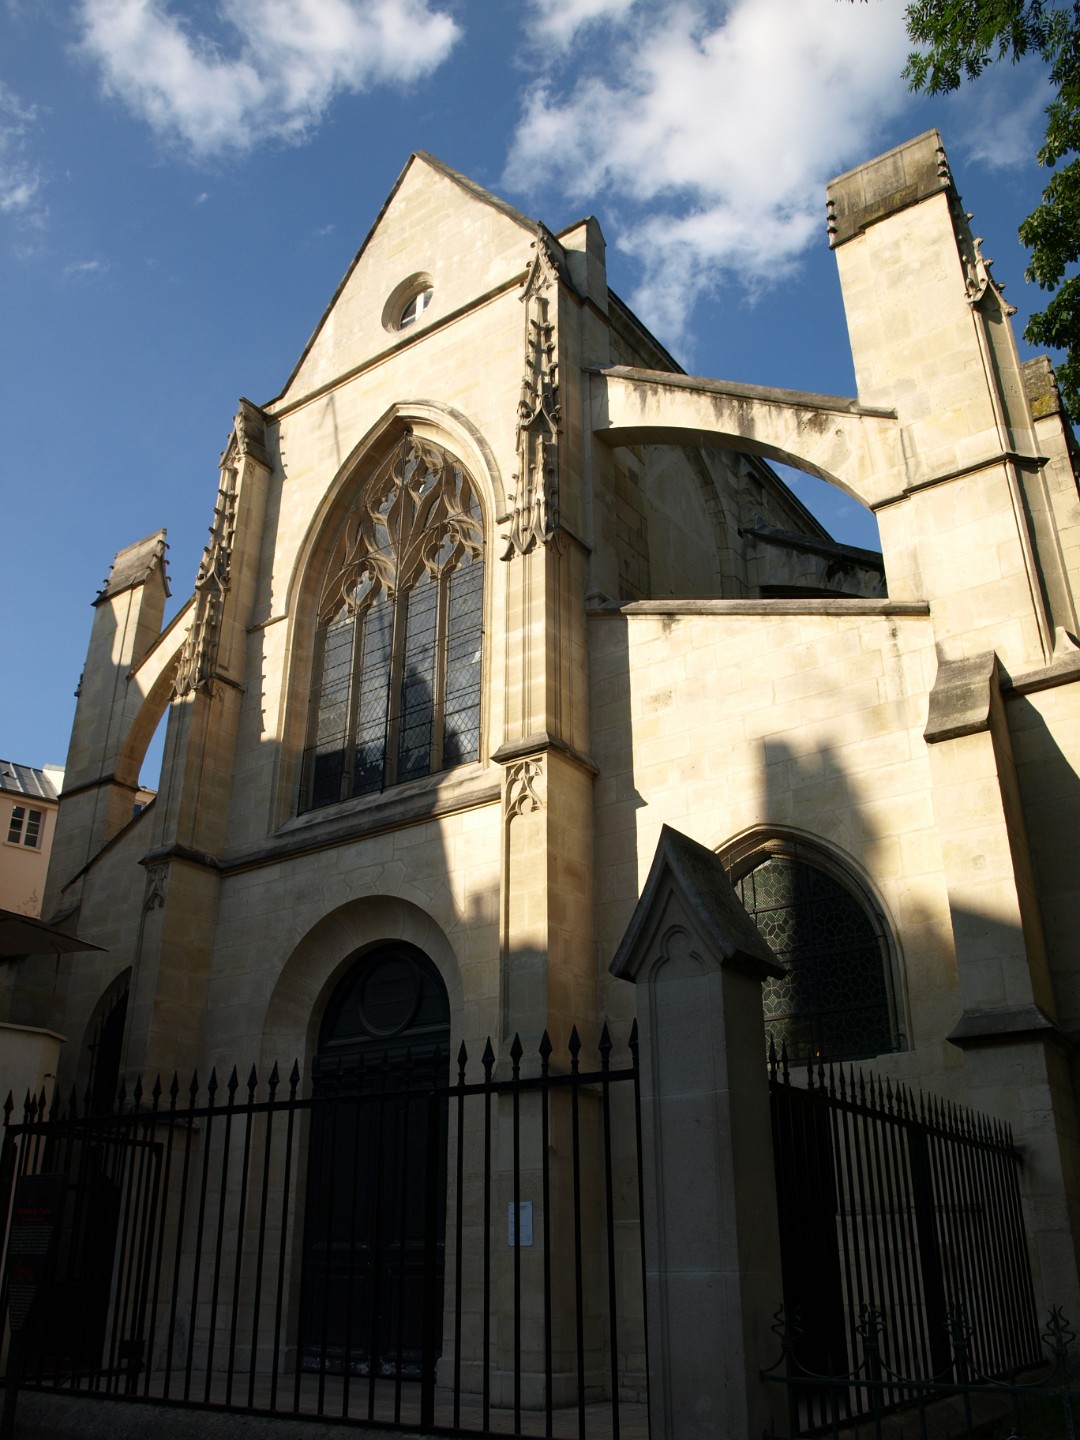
point(253, 1081)
point(605, 1046)
point(516, 1052)
point(545, 1052)
point(462, 1061)
point(294, 1079)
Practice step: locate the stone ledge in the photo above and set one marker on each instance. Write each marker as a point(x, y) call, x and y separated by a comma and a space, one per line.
point(840, 607)
point(997, 1027)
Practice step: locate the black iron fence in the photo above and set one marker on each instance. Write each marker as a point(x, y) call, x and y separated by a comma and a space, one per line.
point(901, 1208)
point(1044, 1400)
point(392, 1245)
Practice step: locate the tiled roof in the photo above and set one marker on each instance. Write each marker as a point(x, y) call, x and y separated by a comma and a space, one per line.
point(26, 780)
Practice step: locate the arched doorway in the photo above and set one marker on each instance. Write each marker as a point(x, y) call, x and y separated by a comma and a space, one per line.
point(376, 1198)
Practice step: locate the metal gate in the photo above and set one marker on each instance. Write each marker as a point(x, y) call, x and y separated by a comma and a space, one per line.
point(185, 1279)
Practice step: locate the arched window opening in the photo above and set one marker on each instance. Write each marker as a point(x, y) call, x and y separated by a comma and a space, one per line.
point(374, 1243)
point(836, 1001)
point(106, 1046)
point(398, 648)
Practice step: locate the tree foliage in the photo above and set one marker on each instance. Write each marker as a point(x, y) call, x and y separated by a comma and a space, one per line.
point(958, 39)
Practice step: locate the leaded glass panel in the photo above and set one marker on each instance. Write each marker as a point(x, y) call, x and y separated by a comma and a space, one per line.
point(399, 645)
point(833, 1003)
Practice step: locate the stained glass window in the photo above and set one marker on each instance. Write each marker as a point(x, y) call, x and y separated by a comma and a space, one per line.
point(835, 1002)
point(398, 649)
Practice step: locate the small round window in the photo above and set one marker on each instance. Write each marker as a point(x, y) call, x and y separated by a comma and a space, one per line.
point(415, 308)
point(408, 301)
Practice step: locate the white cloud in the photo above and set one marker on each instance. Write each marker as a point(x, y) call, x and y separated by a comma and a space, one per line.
point(288, 59)
point(1004, 115)
point(83, 269)
point(560, 21)
point(716, 126)
point(21, 183)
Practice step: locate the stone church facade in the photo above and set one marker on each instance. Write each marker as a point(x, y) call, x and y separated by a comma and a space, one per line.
point(495, 591)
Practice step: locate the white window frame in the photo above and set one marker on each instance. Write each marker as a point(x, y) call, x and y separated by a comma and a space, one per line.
point(26, 828)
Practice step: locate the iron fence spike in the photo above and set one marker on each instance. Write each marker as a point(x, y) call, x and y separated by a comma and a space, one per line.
point(488, 1059)
point(605, 1046)
point(253, 1081)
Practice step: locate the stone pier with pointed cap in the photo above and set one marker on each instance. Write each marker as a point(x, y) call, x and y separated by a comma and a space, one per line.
point(712, 1245)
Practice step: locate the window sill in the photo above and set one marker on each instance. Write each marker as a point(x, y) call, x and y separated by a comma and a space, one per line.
point(467, 787)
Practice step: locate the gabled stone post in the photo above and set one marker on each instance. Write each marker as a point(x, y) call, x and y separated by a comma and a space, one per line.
point(712, 1248)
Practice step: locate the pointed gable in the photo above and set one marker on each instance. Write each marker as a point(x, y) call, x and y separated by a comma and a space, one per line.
point(436, 229)
point(690, 916)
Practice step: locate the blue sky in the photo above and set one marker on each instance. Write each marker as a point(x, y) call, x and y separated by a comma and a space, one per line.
point(184, 182)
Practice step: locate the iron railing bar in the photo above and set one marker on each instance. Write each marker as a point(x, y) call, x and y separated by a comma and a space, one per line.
point(350, 1289)
point(515, 1145)
point(166, 1177)
point(199, 1228)
point(545, 1187)
point(459, 1222)
point(326, 1148)
point(260, 1253)
point(376, 1253)
point(609, 1200)
point(489, 1060)
point(851, 1252)
point(286, 1191)
point(121, 1270)
point(219, 1240)
point(146, 1232)
point(241, 1228)
point(884, 1210)
point(189, 1131)
point(403, 1245)
point(902, 1223)
point(579, 1306)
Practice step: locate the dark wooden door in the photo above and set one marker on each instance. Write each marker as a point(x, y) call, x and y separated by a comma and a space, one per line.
point(376, 1200)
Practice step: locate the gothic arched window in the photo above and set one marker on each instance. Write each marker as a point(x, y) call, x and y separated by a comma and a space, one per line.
point(836, 1001)
point(396, 692)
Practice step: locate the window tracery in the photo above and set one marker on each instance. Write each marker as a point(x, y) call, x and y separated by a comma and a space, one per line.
point(398, 647)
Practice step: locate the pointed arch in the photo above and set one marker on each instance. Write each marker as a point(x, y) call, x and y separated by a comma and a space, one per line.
point(387, 612)
point(841, 997)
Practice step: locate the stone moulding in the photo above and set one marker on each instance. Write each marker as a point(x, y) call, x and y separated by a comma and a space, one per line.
point(534, 512)
point(198, 657)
